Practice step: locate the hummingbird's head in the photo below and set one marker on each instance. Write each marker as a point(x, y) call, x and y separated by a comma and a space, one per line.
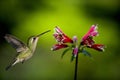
point(32, 41)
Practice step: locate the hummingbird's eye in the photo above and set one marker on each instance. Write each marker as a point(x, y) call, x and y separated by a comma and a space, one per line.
point(34, 38)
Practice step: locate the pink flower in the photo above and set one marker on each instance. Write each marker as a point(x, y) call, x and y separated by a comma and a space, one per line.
point(61, 37)
point(91, 33)
point(58, 46)
point(88, 41)
point(99, 47)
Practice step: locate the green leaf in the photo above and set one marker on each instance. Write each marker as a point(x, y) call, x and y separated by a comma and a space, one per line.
point(65, 51)
point(72, 58)
point(86, 53)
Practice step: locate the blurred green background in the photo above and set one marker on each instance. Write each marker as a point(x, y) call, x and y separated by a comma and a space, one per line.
point(23, 18)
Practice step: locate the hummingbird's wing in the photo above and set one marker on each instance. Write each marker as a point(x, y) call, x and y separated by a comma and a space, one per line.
point(17, 44)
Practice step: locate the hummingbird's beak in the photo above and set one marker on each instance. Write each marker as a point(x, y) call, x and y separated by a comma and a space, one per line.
point(43, 33)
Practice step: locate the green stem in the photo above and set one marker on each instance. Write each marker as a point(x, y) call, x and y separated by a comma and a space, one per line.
point(76, 62)
point(76, 67)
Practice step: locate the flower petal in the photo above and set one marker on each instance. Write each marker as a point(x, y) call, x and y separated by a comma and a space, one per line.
point(61, 37)
point(58, 46)
point(58, 37)
point(99, 47)
point(66, 39)
point(88, 42)
point(58, 30)
point(92, 32)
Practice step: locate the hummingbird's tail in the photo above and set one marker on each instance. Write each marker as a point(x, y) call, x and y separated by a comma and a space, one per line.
point(12, 64)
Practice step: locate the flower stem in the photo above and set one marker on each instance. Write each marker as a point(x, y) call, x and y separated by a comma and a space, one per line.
point(76, 65)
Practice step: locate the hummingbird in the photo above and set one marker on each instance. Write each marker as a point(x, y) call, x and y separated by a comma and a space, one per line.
point(24, 51)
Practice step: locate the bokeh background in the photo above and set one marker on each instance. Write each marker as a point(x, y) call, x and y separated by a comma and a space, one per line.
point(23, 18)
